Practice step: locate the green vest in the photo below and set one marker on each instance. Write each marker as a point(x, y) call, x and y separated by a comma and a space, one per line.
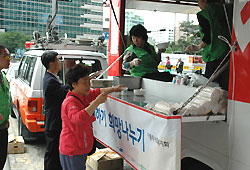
point(148, 64)
point(217, 49)
point(4, 101)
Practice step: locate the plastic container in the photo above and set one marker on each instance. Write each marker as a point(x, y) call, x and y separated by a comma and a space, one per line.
point(178, 80)
point(124, 92)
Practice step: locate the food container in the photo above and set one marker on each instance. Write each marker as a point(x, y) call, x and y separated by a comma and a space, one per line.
point(100, 83)
point(139, 92)
point(128, 81)
point(161, 46)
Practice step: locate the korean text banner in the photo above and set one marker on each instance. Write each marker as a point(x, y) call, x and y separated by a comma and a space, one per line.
point(145, 140)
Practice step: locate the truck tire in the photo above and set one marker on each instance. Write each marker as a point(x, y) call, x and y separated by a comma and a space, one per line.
point(189, 163)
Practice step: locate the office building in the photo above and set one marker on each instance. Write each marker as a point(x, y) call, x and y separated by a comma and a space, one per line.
point(79, 18)
point(162, 35)
point(132, 19)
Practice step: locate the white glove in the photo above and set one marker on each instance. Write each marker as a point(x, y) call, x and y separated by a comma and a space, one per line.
point(136, 62)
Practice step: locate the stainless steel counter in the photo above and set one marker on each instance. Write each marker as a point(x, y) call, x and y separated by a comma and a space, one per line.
point(142, 101)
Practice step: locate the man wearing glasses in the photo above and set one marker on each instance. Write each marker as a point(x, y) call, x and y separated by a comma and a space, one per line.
point(4, 105)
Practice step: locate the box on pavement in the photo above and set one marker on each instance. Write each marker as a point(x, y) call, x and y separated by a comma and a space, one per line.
point(15, 144)
point(104, 159)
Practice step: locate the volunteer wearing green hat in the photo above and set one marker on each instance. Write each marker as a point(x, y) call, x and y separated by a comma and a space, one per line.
point(140, 58)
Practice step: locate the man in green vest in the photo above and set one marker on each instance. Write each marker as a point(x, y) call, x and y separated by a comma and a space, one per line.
point(140, 58)
point(4, 105)
point(212, 23)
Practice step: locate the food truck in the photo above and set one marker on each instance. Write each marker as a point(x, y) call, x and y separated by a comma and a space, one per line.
point(150, 140)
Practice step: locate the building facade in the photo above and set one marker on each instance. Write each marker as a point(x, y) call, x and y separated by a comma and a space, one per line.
point(79, 18)
point(162, 35)
point(132, 19)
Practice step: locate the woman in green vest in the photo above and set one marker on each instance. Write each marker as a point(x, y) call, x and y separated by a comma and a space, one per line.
point(212, 23)
point(140, 58)
point(4, 105)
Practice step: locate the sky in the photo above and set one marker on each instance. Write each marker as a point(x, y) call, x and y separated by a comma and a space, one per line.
point(154, 21)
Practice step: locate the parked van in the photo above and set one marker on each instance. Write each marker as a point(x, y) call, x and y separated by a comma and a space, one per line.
point(26, 89)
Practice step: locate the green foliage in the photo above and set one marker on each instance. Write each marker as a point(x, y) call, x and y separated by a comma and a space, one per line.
point(188, 38)
point(169, 50)
point(13, 40)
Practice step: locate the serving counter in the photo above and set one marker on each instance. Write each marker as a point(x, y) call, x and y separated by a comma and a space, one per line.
point(145, 138)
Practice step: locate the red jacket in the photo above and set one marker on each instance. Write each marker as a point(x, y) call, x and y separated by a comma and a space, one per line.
point(77, 135)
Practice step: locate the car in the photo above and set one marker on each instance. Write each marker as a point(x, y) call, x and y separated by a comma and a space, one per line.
point(26, 89)
point(12, 71)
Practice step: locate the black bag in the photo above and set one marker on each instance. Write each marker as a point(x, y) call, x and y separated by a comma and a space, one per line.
point(93, 148)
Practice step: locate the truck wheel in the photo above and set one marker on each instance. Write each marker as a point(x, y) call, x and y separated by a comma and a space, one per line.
point(189, 163)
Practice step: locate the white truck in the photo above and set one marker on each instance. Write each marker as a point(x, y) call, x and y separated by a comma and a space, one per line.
point(219, 144)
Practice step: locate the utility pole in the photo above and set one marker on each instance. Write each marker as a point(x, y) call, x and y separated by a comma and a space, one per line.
point(54, 11)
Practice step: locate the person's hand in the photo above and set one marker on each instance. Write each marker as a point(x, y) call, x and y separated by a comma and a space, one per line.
point(119, 88)
point(136, 62)
point(102, 98)
point(192, 48)
point(1, 117)
point(189, 48)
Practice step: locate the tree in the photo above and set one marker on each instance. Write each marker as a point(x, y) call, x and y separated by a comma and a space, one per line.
point(190, 31)
point(189, 37)
point(14, 40)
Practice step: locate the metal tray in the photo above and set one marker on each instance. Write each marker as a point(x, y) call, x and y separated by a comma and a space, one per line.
point(128, 81)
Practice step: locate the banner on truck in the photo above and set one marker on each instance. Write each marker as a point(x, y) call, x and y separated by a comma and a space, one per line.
point(148, 141)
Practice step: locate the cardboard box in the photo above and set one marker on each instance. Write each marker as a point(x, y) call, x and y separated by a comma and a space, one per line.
point(104, 159)
point(15, 144)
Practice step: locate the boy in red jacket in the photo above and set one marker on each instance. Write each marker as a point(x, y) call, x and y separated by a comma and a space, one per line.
point(76, 139)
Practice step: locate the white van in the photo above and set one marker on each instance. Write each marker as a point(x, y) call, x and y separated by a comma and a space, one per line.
point(26, 89)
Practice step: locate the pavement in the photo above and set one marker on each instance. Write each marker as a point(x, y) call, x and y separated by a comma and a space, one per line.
point(31, 159)
point(7, 165)
point(33, 156)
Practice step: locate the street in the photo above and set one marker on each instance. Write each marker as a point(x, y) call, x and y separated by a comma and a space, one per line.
point(33, 156)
